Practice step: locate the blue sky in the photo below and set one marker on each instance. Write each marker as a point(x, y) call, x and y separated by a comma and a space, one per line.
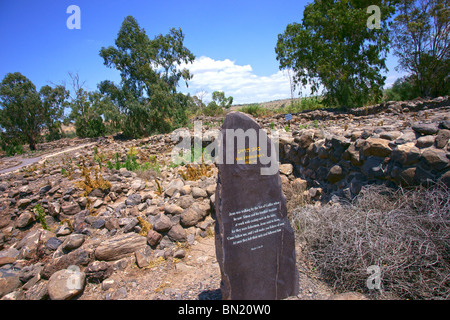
point(233, 41)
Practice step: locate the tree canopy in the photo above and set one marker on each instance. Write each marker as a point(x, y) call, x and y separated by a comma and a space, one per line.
point(339, 47)
point(149, 72)
point(222, 101)
point(22, 115)
point(421, 41)
point(54, 101)
point(333, 48)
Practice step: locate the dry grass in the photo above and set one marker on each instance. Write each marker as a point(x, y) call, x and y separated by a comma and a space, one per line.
point(145, 225)
point(296, 197)
point(193, 172)
point(404, 232)
point(88, 184)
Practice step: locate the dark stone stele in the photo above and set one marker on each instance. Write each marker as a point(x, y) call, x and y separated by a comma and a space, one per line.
point(255, 245)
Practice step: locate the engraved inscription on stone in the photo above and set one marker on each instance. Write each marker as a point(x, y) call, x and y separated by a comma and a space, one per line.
point(254, 223)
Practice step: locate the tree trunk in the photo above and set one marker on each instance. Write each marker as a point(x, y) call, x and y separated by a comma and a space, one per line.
point(32, 142)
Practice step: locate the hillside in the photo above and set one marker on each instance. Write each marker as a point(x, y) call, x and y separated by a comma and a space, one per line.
point(137, 226)
point(270, 105)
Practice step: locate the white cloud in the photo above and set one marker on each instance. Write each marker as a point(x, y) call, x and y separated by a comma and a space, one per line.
point(243, 84)
point(237, 81)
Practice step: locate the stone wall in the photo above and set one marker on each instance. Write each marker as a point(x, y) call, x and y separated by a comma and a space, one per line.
point(397, 143)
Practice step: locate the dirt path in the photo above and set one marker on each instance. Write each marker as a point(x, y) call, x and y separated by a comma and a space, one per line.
point(195, 277)
point(15, 163)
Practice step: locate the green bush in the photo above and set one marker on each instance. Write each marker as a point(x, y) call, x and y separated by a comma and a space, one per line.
point(272, 126)
point(40, 215)
point(402, 89)
point(131, 163)
point(94, 127)
point(311, 103)
point(306, 103)
point(11, 143)
point(12, 150)
point(54, 132)
point(254, 109)
point(213, 110)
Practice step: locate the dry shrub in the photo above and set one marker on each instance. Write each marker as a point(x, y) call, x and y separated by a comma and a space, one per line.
point(88, 184)
point(295, 196)
point(406, 233)
point(145, 225)
point(194, 172)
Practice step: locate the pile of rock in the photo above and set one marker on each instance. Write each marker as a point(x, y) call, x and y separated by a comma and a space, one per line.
point(396, 149)
point(98, 232)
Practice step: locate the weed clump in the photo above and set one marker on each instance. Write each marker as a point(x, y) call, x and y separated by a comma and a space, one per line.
point(40, 214)
point(145, 226)
point(254, 109)
point(88, 184)
point(194, 172)
point(159, 189)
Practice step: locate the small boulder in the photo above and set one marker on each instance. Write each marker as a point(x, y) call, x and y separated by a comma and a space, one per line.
point(425, 128)
point(71, 209)
point(142, 260)
point(373, 167)
point(335, 174)
point(162, 223)
point(376, 147)
point(445, 124)
point(73, 242)
point(179, 254)
point(54, 208)
point(442, 138)
point(436, 158)
point(23, 203)
point(25, 219)
point(175, 186)
point(120, 246)
point(306, 138)
point(390, 135)
point(66, 283)
point(98, 271)
point(9, 281)
point(190, 217)
point(199, 192)
point(425, 141)
point(406, 177)
point(133, 200)
point(177, 233)
point(299, 184)
point(53, 243)
point(97, 203)
point(286, 169)
point(130, 225)
point(137, 185)
point(173, 209)
point(153, 238)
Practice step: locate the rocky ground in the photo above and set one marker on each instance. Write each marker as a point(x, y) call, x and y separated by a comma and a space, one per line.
point(88, 220)
point(103, 232)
